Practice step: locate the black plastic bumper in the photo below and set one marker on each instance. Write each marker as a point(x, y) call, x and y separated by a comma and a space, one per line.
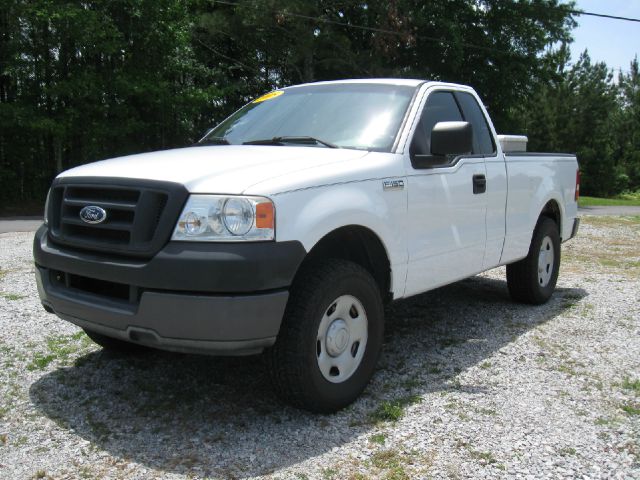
point(186, 266)
point(201, 298)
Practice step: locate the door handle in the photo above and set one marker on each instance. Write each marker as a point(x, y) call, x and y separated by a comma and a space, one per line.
point(479, 184)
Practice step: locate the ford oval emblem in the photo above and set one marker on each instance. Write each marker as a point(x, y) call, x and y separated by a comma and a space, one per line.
point(93, 214)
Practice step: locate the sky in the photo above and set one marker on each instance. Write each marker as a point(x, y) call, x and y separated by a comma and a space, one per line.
point(615, 42)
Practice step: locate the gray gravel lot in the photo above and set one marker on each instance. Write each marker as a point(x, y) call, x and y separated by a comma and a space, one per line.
point(469, 385)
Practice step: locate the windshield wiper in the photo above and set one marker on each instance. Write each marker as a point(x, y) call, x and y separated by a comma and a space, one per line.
point(213, 141)
point(302, 140)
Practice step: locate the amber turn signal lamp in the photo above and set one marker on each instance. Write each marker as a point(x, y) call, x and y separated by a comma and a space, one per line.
point(264, 215)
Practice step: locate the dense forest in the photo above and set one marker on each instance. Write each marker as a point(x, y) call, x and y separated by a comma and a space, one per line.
point(86, 80)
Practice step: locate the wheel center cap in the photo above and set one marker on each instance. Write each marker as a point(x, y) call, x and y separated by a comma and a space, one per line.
point(337, 337)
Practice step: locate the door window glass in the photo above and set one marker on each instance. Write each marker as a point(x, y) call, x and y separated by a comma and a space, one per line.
point(440, 107)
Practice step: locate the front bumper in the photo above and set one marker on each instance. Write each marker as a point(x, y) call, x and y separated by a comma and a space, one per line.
point(202, 298)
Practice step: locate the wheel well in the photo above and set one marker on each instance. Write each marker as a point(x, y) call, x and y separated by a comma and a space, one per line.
point(552, 211)
point(357, 244)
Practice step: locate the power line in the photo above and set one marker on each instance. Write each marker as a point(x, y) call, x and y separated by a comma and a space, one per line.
point(603, 15)
point(421, 36)
point(379, 30)
point(237, 62)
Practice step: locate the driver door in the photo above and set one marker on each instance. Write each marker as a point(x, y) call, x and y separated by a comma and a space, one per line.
point(446, 221)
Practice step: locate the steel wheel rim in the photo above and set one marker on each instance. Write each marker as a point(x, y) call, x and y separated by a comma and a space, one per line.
point(342, 338)
point(546, 259)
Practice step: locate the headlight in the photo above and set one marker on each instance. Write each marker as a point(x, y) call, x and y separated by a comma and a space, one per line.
point(238, 215)
point(46, 208)
point(220, 218)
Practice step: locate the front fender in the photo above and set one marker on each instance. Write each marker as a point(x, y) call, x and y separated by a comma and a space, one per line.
point(308, 215)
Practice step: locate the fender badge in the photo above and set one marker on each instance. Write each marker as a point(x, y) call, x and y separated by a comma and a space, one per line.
point(392, 184)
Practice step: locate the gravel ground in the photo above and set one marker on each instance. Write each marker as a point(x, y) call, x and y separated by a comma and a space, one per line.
point(469, 385)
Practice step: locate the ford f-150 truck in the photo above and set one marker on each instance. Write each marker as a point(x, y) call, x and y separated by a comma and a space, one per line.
point(290, 224)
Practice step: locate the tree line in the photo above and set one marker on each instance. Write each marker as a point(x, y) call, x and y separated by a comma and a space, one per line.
point(86, 80)
point(584, 108)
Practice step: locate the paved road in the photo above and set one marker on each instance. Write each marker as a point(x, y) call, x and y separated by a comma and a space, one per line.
point(19, 224)
point(619, 210)
point(31, 224)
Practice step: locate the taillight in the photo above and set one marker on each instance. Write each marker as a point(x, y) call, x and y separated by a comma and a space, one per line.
point(577, 195)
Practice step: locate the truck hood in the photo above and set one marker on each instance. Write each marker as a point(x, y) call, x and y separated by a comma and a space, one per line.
point(216, 169)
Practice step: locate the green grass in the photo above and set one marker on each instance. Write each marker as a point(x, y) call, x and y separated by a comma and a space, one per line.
point(388, 411)
point(622, 200)
point(378, 438)
point(391, 461)
point(633, 385)
point(606, 422)
point(3, 411)
point(40, 361)
point(329, 473)
point(631, 409)
point(487, 411)
point(358, 476)
point(61, 348)
point(567, 451)
point(483, 456)
point(411, 383)
point(386, 459)
point(394, 410)
point(12, 296)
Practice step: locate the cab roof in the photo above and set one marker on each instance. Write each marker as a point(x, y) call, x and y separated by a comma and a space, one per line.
point(409, 82)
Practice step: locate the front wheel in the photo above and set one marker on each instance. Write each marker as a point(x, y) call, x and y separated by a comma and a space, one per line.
point(330, 338)
point(533, 279)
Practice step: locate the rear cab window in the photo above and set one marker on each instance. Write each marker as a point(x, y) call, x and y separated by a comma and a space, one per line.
point(483, 143)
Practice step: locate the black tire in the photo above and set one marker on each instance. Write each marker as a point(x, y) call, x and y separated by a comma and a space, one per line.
point(293, 361)
point(524, 280)
point(115, 345)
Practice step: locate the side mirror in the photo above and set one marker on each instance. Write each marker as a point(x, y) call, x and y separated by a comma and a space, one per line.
point(451, 138)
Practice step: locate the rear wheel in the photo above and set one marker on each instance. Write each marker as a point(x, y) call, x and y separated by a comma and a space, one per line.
point(330, 338)
point(533, 279)
point(113, 344)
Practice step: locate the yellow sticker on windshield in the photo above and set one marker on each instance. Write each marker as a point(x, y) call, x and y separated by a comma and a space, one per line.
point(268, 96)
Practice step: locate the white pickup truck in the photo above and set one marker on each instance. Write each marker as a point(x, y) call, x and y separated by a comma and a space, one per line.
point(290, 224)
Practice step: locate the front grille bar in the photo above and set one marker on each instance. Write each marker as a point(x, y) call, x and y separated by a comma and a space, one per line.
point(140, 214)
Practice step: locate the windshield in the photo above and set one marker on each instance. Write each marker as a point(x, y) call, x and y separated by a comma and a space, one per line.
point(361, 116)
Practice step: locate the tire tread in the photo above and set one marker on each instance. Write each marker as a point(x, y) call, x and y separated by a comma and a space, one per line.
point(285, 362)
point(522, 275)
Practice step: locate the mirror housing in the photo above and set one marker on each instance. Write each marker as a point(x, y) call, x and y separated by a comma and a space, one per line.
point(451, 138)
